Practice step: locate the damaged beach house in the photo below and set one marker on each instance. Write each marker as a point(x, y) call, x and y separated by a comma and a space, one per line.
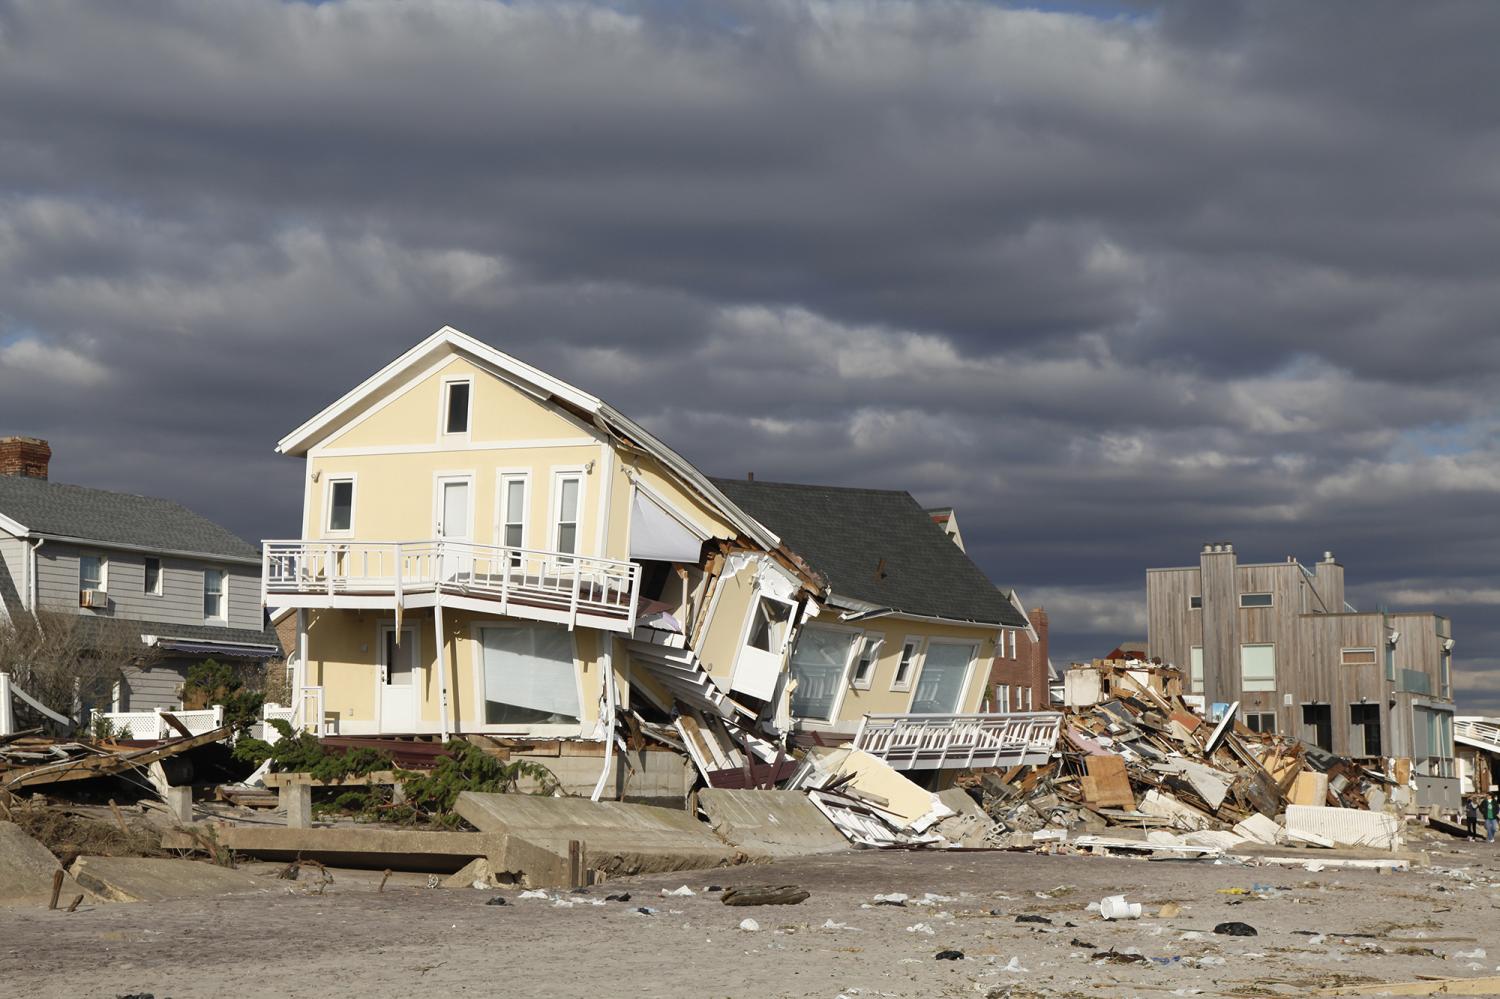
point(492, 553)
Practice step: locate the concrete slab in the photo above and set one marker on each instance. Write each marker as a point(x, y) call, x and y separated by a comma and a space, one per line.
point(153, 879)
point(774, 823)
point(968, 826)
point(26, 869)
point(618, 838)
point(350, 846)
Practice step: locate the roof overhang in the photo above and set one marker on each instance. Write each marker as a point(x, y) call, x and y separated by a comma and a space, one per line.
point(538, 383)
point(855, 616)
point(122, 546)
point(209, 646)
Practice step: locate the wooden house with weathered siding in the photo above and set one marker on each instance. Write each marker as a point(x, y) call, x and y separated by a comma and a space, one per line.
point(1280, 639)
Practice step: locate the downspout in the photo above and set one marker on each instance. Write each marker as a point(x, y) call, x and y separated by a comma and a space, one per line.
point(608, 669)
point(442, 657)
point(31, 575)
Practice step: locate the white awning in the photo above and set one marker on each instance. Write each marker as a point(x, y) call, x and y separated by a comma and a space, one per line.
point(659, 535)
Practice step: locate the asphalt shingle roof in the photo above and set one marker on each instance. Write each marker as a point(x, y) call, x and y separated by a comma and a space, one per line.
point(845, 533)
point(47, 507)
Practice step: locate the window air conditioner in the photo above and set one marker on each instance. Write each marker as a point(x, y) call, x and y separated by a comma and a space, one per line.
point(93, 598)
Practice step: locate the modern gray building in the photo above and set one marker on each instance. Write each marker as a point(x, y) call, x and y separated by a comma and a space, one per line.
point(1280, 639)
point(187, 587)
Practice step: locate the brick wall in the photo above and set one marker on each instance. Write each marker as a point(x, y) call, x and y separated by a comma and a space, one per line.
point(1028, 670)
point(27, 456)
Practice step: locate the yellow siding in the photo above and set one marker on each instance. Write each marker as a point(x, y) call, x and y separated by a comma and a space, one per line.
point(723, 631)
point(881, 699)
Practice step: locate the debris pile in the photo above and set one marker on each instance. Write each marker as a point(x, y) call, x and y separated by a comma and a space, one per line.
point(1134, 754)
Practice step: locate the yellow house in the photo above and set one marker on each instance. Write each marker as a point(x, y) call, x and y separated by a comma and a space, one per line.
point(486, 549)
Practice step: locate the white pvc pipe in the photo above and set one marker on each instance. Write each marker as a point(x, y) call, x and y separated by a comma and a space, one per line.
point(607, 660)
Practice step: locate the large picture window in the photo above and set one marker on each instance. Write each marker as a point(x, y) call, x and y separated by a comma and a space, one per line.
point(1257, 667)
point(818, 666)
point(940, 687)
point(529, 676)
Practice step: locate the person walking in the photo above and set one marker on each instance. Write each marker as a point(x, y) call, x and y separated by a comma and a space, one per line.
point(1490, 812)
point(1471, 817)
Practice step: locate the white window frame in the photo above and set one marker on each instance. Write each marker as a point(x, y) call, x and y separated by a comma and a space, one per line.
point(444, 434)
point(1195, 671)
point(1374, 655)
point(503, 478)
point(223, 574)
point(1245, 684)
point(842, 687)
point(554, 507)
point(918, 644)
point(103, 586)
point(1270, 600)
point(161, 572)
point(972, 645)
point(1195, 596)
point(1013, 643)
point(329, 531)
point(583, 726)
point(1002, 697)
point(870, 643)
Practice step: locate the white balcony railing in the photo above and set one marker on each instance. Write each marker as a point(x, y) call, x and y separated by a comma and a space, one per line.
point(151, 724)
point(936, 742)
point(523, 582)
point(1481, 732)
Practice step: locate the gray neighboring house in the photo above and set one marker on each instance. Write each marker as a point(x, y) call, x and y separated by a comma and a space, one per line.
point(191, 587)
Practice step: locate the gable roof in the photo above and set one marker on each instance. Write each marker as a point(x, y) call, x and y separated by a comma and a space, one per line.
point(56, 510)
point(604, 417)
point(846, 534)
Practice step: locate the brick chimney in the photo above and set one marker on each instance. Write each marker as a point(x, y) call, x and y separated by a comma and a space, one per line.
point(1039, 653)
point(27, 456)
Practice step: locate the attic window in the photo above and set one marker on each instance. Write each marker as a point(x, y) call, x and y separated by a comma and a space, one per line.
point(456, 420)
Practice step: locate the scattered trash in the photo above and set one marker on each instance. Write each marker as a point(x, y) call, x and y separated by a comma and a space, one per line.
point(1235, 930)
point(894, 898)
point(1476, 954)
point(683, 892)
point(1115, 907)
point(1014, 966)
point(1075, 942)
point(922, 928)
point(623, 896)
point(1027, 918)
point(534, 893)
point(646, 910)
point(949, 955)
point(829, 924)
point(749, 925)
point(497, 900)
point(1169, 911)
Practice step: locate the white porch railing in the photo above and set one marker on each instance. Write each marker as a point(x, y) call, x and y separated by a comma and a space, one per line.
point(151, 724)
point(522, 582)
point(937, 742)
point(1477, 731)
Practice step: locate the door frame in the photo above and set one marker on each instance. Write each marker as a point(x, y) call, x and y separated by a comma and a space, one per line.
point(418, 671)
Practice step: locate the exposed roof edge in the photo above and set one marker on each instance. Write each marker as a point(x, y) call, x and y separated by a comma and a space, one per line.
point(125, 546)
point(869, 615)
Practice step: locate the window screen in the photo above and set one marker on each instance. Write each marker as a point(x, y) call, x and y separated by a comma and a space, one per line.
point(1258, 667)
point(529, 676)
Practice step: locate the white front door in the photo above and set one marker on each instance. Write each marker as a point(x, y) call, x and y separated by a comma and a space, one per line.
point(454, 515)
point(398, 681)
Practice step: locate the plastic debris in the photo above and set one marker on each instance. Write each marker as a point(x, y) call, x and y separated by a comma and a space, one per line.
point(497, 900)
point(683, 892)
point(534, 893)
point(646, 910)
point(894, 898)
point(949, 955)
point(1028, 918)
point(1235, 930)
point(1115, 907)
point(623, 896)
point(921, 928)
point(749, 925)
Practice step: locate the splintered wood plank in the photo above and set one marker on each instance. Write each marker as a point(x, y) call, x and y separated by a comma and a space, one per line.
point(1107, 784)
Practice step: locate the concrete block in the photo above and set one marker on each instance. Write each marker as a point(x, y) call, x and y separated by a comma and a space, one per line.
point(640, 776)
point(26, 869)
point(1259, 829)
point(618, 838)
point(151, 879)
point(349, 846)
point(773, 823)
point(297, 800)
point(180, 804)
point(480, 873)
point(969, 826)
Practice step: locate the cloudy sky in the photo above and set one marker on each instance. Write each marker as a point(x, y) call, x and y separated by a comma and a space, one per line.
point(1114, 280)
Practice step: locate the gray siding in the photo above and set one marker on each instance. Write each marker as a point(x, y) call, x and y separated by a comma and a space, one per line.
point(181, 599)
point(157, 687)
point(13, 582)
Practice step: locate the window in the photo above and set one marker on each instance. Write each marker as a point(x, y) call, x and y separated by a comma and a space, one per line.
point(1195, 602)
point(1012, 643)
point(940, 686)
point(1023, 699)
point(1255, 599)
point(213, 593)
point(769, 625)
point(1364, 729)
point(1002, 697)
point(1358, 657)
point(529, 676)
point(818, 665)
point(864, 666)
point(1257, 667)
point(905, 665)
point(1195, 670)
point(1317, 725)
point(456, 409)
point(340, 505)
point(1261, 721)
point(152, 582)
point(566, 513)
point(93, 571)
point(513, 512)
